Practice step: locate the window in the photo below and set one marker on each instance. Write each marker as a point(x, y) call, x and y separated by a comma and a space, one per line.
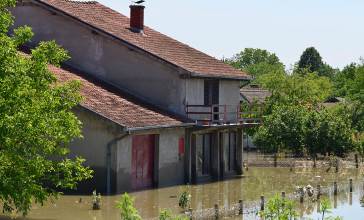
point(211, 92)
point(203, 151)
point(229, 144)
point(211, 96)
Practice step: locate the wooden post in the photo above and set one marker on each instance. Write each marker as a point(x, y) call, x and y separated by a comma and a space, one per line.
point(261, 203)
point(275, 159)
point(318, 192)
point(190, 213)
point(301, 197)
point(335, 188)
point(283, 197)
point(240, 207)
point(351, 185)
point(356, 161)
point(337, 165)
point(314, 161)
point(216, 211)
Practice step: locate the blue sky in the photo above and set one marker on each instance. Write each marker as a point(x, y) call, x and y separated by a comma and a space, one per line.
point(222, 28)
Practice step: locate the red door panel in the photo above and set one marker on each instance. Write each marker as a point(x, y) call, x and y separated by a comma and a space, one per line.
point(142, 161)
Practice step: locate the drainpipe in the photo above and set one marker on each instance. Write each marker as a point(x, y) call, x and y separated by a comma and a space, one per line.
point(108, 160)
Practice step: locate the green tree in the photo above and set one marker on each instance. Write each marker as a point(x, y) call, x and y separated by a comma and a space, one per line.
point(256, 62)
point(343, 79)
point(311, 61)
point(305, 129)
point(295, 89)
point(282, 129)
point(36, 121)
point(349, 83)
point(252, 56)
point(327, 131)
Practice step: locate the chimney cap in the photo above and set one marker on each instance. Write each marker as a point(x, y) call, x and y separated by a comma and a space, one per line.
point(137, 6)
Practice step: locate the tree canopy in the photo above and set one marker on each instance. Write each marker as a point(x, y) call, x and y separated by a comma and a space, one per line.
point(305, 130)
point(311, 61)
point(36, 121)
point(294, 117)
point(256, 62)
point(295, 89)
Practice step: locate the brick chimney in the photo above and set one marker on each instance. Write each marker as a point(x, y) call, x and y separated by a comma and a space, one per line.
point(137, 18)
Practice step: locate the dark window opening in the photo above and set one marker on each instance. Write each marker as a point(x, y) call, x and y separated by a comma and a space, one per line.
point(203, 145)
point(211, 92)
point(211, 97)
point(229, 151)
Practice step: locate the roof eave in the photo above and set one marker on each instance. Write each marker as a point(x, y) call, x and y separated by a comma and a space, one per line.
point(220, 76)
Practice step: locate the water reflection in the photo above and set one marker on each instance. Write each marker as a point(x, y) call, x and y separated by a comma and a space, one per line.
point(256, 182)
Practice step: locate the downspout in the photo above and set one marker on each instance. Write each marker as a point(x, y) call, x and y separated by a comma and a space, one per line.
point(108, 160)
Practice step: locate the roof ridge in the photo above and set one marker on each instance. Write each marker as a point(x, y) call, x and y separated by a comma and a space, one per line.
point(160, 45)
point(82, 1)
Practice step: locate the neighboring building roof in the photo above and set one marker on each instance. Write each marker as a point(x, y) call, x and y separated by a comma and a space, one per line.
point(254, 94)
point(117, 25)
point(112, 104)
point(333, 101)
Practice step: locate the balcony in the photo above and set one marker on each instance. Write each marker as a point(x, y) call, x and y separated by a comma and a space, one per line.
point(224, 114)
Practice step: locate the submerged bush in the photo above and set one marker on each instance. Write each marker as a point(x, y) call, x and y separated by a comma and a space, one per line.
point(127, 209)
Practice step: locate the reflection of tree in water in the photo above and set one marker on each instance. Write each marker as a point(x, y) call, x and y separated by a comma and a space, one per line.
point(362, 201)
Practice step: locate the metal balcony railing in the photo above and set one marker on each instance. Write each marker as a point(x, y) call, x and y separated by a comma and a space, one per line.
point(222, 114)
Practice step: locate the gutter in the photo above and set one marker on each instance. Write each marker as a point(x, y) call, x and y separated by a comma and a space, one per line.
point(219, 76)
point(184, 125)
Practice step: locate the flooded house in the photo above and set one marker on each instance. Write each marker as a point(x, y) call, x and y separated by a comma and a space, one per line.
point(155, 112)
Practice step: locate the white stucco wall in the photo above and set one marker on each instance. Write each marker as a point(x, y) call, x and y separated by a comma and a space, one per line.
point(229, 94)
point(171, 165)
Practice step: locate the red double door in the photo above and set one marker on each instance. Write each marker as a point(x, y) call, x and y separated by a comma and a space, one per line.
point(142, 161)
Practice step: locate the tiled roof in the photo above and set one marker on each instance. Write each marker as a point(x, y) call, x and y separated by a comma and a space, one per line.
point(115, 24)
point(252, 94)
point(113, 104)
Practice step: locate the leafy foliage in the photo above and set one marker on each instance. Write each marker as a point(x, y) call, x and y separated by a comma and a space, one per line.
point(251, 56)
point(36, 122)
point(295, 89)
point(304, 129)
point(127, 209)
point(167, 215)
point(279, 209)
point(349, 83)
point(256, 62)
point(311, 61)
point(184, 200)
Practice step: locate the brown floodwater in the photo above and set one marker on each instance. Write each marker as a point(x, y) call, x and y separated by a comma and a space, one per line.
point(254, 183)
